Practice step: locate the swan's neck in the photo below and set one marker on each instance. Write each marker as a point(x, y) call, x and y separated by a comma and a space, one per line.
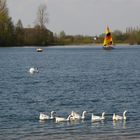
point(103, 114)
point(114, 116)
point(124, 115)
point(92, 116)
point(68, 118)
point(83, 115)
point(52, 114)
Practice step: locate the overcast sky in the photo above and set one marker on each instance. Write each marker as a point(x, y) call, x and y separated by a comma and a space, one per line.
point(87, 17)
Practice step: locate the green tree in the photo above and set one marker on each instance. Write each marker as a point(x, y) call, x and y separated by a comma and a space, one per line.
point(6, 26)
point(19, 24)
point(62, 34)
point(19, 33)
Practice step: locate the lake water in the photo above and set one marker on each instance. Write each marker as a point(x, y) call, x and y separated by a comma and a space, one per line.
point(73, 78)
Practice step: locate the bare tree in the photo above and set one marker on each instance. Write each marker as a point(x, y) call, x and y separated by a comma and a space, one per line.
point(3, 8)
point(42, 16)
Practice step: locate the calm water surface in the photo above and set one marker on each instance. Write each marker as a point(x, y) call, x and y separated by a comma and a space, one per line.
point(69, 79)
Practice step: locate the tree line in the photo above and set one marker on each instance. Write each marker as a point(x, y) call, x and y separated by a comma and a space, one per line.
point(16, 35)
point(130, 36)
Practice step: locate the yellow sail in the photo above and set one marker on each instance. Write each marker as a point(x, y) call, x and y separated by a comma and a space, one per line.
point(108, 41)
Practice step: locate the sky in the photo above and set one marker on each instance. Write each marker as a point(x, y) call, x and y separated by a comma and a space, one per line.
point(74, 17)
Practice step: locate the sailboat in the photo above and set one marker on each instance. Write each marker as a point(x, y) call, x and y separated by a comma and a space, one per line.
point(108, 41)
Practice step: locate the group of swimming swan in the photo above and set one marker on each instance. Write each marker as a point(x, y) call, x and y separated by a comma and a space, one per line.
point(73, 116)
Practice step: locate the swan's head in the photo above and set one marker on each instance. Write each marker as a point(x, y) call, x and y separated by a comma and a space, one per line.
point(125, 111)
point(124, 116)
point(84, 112)
point(53, 112)
point(114, 115)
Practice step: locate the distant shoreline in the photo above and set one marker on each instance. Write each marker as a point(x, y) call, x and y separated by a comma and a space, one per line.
point(72, 45)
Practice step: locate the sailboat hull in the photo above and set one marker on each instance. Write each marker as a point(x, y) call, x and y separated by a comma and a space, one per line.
point(108, 48)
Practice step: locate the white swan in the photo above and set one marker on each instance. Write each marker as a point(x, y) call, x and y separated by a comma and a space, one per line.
point(61, 119)
point(117, 117)
point(33, 70)
point(43, 116)
point(97, 118)
point(76, 116)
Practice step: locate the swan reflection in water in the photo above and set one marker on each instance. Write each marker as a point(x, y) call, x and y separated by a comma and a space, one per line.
point(119, 124)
